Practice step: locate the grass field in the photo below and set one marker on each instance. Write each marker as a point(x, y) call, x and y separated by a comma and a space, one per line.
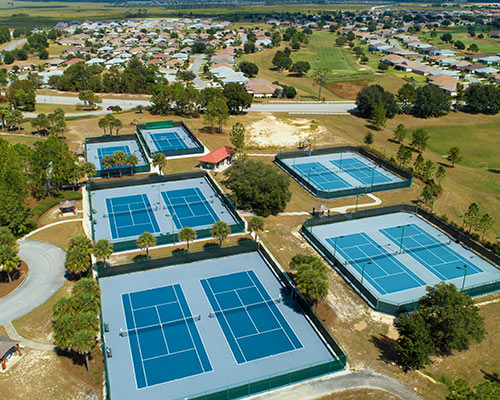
point(486, 45)
point(20, 138)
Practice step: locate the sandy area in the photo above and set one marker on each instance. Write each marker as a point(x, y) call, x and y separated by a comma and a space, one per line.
point(272, 131)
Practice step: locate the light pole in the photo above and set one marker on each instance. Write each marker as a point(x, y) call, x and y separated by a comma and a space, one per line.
point(373, 175)
point(335, 245)
point(356, 211)
point(340, 164)
point(402, 236)
point(173, 234)
point(465, 275)
point(363, 271)
point(314, 141)
point(463, 227)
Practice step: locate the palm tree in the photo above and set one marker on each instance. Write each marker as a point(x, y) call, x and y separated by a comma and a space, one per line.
point(3, 113)
point(220, 230)
point(139, 109)
point(120, 159)
point(117, 124)
point(188, 234)
point(320, 77)
point(103, 249)
point(108, 162)
point(10, 265)
point(111, 121)
point(256, 224)
point(132, 160)
point(160, 161)
point(82, 342)
point(103, 124)
point(145, 241)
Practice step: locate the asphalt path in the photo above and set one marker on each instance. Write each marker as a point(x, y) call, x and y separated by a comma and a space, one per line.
point(274, 107)
point(195, 68)
point(45, 277)
point(13, 45)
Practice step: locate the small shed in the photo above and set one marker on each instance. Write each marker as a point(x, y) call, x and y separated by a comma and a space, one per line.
point(7, 347)
point(305, 145)
point(79, 152)
point(67, 206)
point(221, 156)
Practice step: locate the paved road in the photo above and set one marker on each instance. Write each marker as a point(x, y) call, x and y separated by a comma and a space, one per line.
point(290, 107)
point(195, 67)
point(338, 382)
point(13, 45)
point(46, 276)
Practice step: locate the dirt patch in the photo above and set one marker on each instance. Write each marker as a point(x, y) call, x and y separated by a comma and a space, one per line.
point(274, 132)
point(347, 90)
point(18, 277)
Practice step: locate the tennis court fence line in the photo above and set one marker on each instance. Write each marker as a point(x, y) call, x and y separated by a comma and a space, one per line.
point(266, 382)
point(237, 227)
point(323, 194)
point(105, 173)
point(199, 149)
point(395, 308)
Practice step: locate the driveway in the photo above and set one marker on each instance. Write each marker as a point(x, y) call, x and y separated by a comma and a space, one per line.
point(13, 45)
point(46, 276)
point(195, 68)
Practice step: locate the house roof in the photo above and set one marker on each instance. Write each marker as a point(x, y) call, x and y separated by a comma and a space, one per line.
point(261, 86)
point(219, 154)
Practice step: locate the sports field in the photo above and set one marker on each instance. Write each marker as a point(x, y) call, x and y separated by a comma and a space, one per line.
point(395, 256)
point(95, 152)
point(205, 327)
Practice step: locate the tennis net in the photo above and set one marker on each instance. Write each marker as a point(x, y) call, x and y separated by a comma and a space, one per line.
point(127, 332)
point(246, 307)
point(396, 252)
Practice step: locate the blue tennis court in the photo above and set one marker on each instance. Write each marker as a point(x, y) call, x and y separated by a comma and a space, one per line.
point(364, 173)
point(249, 318)
point(320, 176)
point(130, 216)
point(383, 271)
point(430, 252)
point(109, 151)
point(169, 140)
point(163, 337)
point(189, 207)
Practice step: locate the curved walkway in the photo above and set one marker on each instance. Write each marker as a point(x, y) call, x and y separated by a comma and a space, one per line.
point(12, 333)
point(45, 277)
point(339, 382)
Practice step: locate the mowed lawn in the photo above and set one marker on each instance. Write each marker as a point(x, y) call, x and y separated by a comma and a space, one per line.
point(321, 52)
point(486, 45)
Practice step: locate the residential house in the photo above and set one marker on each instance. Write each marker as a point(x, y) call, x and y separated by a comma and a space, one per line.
point(259, 87)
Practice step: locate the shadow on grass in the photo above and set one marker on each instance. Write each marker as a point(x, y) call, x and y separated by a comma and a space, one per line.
point(494, 171)
point(385, 345)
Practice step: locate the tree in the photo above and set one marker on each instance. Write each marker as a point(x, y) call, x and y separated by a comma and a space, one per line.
point(89, 98)
point(108, 162)
point(237, 97)
point(41, 123)
point(160, 161)
point(132, 161)
point(9, 261)
point(440, 174)
point(145, 241)
point(248, 68)
point(321, 76)
point(489, 389)
point(453, 155)
point(418, 165)
point(103, 249)
point(453, 319)
point(103, 124)
point(373, 95)
point(483, 98)
point(187, 234)
point(404, 155)
point(446, 37)
point(116, 124)
point(255, 225)
point(473, 47)
point(217, 110)
point(414, 344)
point(300, 68)
point(313, 282)
point(78, 255)
point(472, 216)
point(428, 171)
point(427, 193)
point(14, 118)
point(419, 140)
point(368, 139)
point(87, 170)
point(237, 136)
point(484, 224)
point(459, 45)
point(382, 66)
point(259, 187)
point(120, 159)
point(379, 117)
point(431, 101)
point(406, 96)
point(281, 61)
point(400, 133)
point(82, 342)
point(249, 47)
point(220, 231)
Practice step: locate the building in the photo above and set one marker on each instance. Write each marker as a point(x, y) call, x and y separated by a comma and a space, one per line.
point(220, 157)
point(259, 87)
